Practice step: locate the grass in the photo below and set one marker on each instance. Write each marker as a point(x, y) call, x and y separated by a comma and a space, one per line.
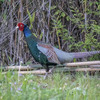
point(58, 87)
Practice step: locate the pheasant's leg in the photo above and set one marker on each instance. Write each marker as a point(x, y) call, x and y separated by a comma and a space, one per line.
point(51, 70)
point(46, 75)
point(47, 71)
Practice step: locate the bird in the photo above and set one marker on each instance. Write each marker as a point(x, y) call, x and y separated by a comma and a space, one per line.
point(46, 54)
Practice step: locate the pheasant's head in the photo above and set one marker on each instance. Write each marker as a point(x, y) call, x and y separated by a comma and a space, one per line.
point(20, 26)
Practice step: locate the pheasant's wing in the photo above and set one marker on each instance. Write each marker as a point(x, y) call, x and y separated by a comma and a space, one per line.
point(49, 52)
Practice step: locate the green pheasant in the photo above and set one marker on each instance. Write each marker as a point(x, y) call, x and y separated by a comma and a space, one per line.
point(46, 54)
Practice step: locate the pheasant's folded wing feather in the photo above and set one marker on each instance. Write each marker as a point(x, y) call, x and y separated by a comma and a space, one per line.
point(49, 52)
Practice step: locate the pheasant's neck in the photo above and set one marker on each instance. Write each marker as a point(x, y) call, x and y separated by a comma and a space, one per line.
point(27, 31)
point(29, 35)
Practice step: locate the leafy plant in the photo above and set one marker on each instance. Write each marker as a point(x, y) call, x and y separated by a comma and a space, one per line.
point(31, 18)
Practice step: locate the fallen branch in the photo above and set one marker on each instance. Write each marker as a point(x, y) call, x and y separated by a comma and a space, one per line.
point(42, 72)
point(22, 68)
point(38, 72)
point(38, 66)
point(94, 66)
point(82, 63)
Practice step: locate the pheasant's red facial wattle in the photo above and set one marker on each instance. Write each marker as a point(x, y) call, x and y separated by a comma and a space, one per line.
point(21, 26)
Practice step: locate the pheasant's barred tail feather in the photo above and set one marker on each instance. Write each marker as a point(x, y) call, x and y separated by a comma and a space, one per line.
point(85, 54)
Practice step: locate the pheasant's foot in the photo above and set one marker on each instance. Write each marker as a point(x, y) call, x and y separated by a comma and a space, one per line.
point(46, 75)
point(51, 70)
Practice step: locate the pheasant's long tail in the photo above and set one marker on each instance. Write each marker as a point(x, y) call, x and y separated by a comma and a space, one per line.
point(84, 54)
point(65, 56)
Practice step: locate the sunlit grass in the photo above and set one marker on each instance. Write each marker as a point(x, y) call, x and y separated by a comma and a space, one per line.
point(56, 87)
